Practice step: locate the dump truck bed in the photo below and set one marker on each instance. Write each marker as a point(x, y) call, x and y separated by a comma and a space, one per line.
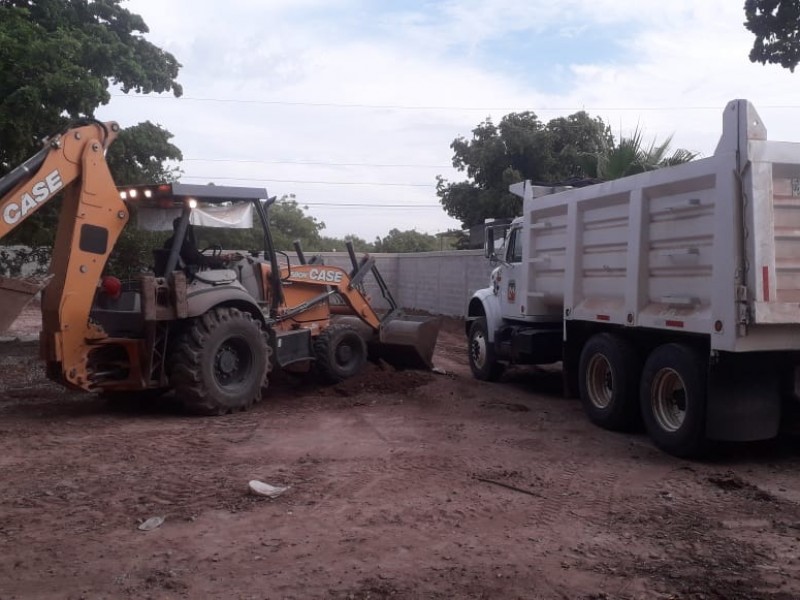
point(709, 247)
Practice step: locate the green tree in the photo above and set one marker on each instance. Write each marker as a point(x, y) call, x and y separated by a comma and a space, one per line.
point(288, 222)
point(141, 154)
point(330, 244)
point(776, 26)
point(406, 241)
point(59, 59)
point(520, 147)
point(630, 156)
point(453, 239)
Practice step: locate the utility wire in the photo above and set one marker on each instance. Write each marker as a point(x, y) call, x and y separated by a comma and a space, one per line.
point(368, 205)
point(302, 181)
point(315, 162)
point(433, 107)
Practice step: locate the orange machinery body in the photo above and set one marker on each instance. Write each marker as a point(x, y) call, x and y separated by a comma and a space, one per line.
point(303, 284)
point(91, 219)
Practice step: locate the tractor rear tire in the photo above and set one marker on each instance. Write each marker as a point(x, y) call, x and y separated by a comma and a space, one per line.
point(340, 353)
point(221, 362)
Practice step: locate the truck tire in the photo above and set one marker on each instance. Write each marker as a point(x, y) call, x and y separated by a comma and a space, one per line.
point(220, 363)
point(340, 353)
point(608, 382)
point(482, 359)
point(673, 399)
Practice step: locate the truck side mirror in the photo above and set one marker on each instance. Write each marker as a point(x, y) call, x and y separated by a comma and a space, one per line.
point(488, 249)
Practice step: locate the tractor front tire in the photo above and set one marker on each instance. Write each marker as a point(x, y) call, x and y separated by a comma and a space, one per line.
point(340, 353)
point(220, 363)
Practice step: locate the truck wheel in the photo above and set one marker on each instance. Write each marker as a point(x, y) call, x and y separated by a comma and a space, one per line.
point(608, 380)
point(340, 353)
point(673, 399)
point(221, 363)
point(482, 358)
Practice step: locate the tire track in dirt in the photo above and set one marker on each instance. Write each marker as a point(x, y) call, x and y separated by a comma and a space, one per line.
point(691, 516)
point(553, 504)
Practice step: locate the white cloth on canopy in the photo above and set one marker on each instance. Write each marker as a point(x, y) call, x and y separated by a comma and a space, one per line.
point(238, 215)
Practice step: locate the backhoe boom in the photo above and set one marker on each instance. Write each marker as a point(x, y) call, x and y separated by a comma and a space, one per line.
point(91, 218)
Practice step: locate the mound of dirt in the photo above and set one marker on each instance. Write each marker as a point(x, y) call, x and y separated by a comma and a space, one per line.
point(379, 379)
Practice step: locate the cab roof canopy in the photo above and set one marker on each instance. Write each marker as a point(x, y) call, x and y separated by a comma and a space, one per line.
point(226, 207)
point(172, 195)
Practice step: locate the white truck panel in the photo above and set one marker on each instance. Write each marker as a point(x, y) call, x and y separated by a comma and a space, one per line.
point(710, 247)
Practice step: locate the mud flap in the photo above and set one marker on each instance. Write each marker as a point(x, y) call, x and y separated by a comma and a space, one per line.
point(15, 294)
point(744, 400)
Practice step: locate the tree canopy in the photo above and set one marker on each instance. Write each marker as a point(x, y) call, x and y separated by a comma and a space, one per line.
point(631, 156)
point(406, 241)
point(562, 151)
point(520, 147)
point(60, 58)
point(141, 154)
point(776, 25)
point(288, 222)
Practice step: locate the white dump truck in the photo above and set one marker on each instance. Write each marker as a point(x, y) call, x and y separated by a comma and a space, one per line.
point(671, 297)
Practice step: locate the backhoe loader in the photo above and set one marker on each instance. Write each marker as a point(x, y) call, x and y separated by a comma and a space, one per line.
point(210, 332)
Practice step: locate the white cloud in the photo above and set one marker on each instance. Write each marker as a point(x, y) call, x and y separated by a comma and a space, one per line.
point(683, 61)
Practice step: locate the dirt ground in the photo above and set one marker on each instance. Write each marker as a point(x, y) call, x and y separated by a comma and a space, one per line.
point(402, 485)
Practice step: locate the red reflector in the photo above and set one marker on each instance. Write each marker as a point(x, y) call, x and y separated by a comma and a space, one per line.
point(765, 282)
point(674, 323)
point(603, 318)
point(111, 286)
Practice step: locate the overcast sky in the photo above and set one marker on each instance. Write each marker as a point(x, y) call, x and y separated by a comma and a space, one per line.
point(351, 105)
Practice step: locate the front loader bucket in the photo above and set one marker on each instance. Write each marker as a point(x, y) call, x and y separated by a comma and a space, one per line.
point(408, 341)
point(15, 295)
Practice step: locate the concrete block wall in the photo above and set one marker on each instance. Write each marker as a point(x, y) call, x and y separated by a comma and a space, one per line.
point(437, 282)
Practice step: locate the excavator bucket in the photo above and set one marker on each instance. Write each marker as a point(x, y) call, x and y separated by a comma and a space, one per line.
point(15, 294)
point(407, 341)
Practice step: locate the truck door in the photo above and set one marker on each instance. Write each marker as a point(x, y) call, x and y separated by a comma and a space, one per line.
point(512, 291)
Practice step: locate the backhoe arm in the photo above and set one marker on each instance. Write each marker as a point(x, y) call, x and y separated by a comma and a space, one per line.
point(54, 168)
point(91, 219)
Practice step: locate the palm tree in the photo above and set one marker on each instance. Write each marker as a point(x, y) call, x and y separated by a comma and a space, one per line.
point(630, 157)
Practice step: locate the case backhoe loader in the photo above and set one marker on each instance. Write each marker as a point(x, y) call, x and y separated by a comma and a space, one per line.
point(211, 332)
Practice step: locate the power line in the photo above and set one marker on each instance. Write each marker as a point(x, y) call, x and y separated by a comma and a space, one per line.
point(315, 162)
point(369, 205)
point(433, 107)
point(302, 181)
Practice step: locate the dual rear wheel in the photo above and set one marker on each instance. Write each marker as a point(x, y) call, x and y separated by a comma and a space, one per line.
point(666, 392)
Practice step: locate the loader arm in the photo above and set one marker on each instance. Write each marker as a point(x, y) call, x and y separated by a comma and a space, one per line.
point(310, 286)
point(404, 341)
point(91, 219)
